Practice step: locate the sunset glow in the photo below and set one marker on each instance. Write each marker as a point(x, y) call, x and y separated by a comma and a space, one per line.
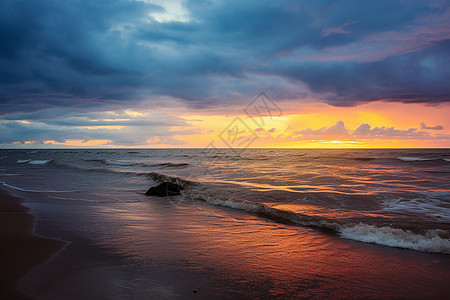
point(224, 149)
point(175, 75)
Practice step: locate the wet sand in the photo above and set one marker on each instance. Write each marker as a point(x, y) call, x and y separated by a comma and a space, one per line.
point(20, 249)
point(156, 249)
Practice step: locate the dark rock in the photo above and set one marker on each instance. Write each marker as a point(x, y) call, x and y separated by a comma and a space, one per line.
point(164, 189)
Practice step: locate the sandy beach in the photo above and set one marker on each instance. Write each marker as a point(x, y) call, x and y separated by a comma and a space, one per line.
point(20, 249)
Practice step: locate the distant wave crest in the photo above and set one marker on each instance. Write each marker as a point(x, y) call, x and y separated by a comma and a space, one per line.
point(134, 163)
point(34, 162)
point(412, 159)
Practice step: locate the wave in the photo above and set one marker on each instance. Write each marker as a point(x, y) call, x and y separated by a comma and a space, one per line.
point(40, 162)
point(343, 157)
point(152, 175)
point(32, 191)
point(12, 174)
point(433, 205)
point(73, 199)
point(169, 165)
point(412, 159)
point(133, 163)
point(22, 161)
point(99, 170)
point(112, 162)
point(431, 240)
point(363, 158)
point(159, 177)
point(34, 162)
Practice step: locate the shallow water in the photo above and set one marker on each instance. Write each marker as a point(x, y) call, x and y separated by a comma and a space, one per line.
point(260, 223)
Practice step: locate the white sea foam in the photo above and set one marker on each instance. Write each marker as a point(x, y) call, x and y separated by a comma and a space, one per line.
point(393, 237)
point(22, 161)
point(32, 191)
point(34, 162)
point(410, 159)
point(40, 162)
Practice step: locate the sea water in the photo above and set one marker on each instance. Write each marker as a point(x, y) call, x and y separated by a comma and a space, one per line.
point(255, 222)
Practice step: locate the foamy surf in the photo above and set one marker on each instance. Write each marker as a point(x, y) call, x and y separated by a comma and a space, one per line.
point(32, 191)
point(40, 162)
point(412, 159)
point(432, 240)
point(22, 161)
point(387, 236)
point(34, 162)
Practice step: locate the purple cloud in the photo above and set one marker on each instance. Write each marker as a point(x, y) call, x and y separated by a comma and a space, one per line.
point(437, 127)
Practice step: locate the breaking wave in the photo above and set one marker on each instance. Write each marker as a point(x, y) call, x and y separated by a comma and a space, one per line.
point(159, 177)
point(22, 161)
point(429, 240)
point(34, 162)
point(412, 159)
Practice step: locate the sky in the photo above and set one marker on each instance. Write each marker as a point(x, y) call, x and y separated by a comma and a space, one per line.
point(255, 73)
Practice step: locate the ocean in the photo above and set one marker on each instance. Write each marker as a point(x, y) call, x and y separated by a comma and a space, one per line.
point(249, 223)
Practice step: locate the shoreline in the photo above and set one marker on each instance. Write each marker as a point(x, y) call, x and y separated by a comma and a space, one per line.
point(21, 249)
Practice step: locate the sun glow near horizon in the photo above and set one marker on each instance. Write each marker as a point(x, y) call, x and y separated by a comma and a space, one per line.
point(374, 125)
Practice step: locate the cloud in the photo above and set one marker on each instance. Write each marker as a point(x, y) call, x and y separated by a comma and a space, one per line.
point(98, 54)
point(132, 135)
point(62, 62)
point(365, 130)
point(337, 130)
point(437, 127)
point(336, 30)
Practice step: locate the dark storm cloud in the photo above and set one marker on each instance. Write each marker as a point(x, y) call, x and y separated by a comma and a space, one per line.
point(102, 55)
